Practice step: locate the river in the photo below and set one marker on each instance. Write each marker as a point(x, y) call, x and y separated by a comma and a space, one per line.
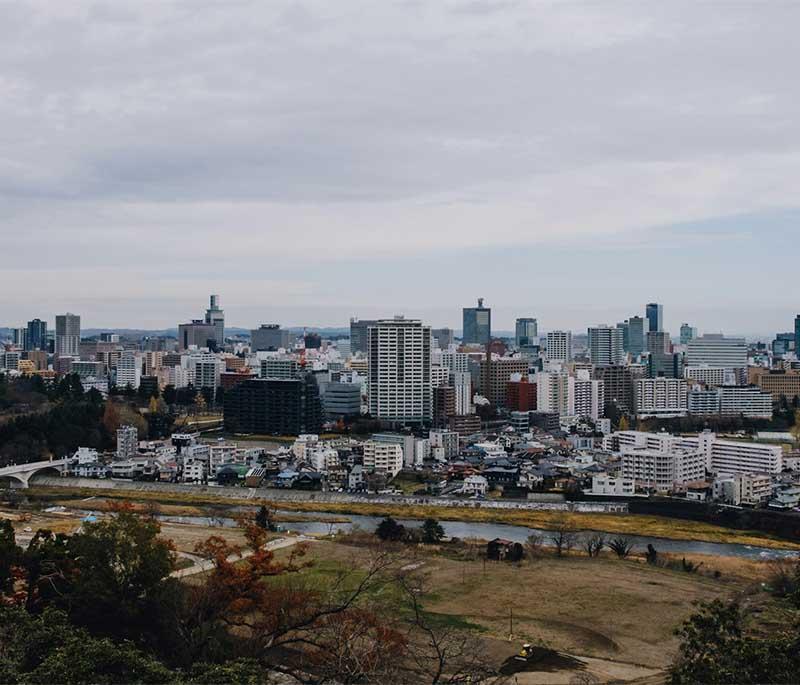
point(489, 531)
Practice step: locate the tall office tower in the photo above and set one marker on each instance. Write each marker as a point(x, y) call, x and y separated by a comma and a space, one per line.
point(196, 334)
point(797, 335)
point(129, 370)
point(216, 317)
point(658, 342)
point(687, 333)
point(358, 334)
point(559, 346)
point(37, 335)
point(655, 317)
point(527, 332)
point(636, 341)
point(399, 371)
point(605, 346)
point(625, 328)
point(477, 328)
point(443, 337)
point(19, 337)
point(68, 335)
point(270, 336)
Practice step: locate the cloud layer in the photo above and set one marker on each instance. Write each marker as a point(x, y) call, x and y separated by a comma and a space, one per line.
point(275, 152)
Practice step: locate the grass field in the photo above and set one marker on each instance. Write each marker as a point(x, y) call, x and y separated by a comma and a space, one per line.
point(621, 524)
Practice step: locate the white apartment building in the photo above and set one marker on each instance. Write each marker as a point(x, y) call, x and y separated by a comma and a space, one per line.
point(447, 440)
point(661, 397)
point(552, 392)
point(722, 456)
point(324, 460)
point(717, 350)
point(750, 489)
point(440, 375)
point(129, 370)
point(663, 470)
point(462, 382)
point(399, 371)
point(570, 395)
point(205, 369)
point(559, 346)
point(455, 361)
point(383, 457)
point(713, 376)
point(745, 400)
point(615, 486)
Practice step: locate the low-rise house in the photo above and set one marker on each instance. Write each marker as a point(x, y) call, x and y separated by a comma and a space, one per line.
point(614, 486)
point(787, 498)
point(475, 485)
point(504, 550)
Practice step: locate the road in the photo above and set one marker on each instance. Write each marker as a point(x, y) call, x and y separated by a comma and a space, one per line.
point(208, 564)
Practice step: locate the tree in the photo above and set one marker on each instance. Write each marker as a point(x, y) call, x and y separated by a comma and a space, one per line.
point(390, 530)
point(121, 564)
point(432, 532)
point(714, 649)
point(563, 536)
point(10, 555)
point(624, 424)
point(533, 545)
point(621, 546)
point(264, 519)
point(438, 651)
point(170, 395)
point(594, 544)
point(111, 420)
point(46, 648)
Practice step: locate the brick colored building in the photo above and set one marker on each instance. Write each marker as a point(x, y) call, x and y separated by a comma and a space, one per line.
point(521, 395)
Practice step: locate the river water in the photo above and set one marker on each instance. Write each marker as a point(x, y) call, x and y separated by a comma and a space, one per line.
point(489, 531)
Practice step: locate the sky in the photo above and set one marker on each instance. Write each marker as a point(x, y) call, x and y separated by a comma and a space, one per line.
point(313, 161)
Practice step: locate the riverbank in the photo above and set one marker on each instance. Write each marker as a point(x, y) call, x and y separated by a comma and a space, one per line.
point(614, 524)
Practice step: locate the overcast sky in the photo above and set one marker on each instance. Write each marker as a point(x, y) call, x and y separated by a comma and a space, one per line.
point(310, 161)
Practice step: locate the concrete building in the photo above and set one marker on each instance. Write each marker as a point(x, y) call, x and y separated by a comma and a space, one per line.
point(455, 361)
point(496, 374)
point(342, 400)
point(614, 486)
point(270, 337)
point(606, 346)
point(279, 367)
point(636, 340)
point(196, 334)
point(443, 337)
point(559, 346)
point(274, 406)
point(358, 334)
point(617, 386)
point(748, 489)
point(68, 335)
point(205, 369)
point(216, 317)
point(666, 397)
point(780, 384)
point(462, 383)
point(446, 440)
point(399, 371)
point(716, 350)
point(129, 370)
point(712, 376)
point(663, 470)
point(127, 443)
point(381, 457)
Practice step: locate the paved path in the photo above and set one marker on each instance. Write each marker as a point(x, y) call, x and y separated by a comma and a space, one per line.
point(208, 564)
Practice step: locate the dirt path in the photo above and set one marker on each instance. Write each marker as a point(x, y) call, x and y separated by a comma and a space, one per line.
point(207, 564)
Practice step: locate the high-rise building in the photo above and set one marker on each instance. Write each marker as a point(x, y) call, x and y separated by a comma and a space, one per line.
point(496, 374)
point(797, 335)
point(68, 335)
point(270, 337)
point(661, 397)
point(342, 400)
point(198, 334)
point(19, 337)
point(129, 369)
point(716, 350)
point(462, 382)
point(399, 371)
point(658, 342)
point(618, 386)
point(205, 370)
point(687, 333)
point(274, 406)
point(655, 317)
point(443, 337)
point(216, 317)
point(636, 341)
point(559, 346)
point(526, 333)
point(477, 328)
point(358, 334)
point(605, 346)
point(127, 442)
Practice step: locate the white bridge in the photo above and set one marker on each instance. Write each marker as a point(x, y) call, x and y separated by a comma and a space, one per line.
point(20, 474)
